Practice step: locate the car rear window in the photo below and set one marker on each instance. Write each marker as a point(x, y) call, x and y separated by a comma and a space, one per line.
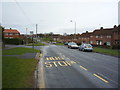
point(88, 45)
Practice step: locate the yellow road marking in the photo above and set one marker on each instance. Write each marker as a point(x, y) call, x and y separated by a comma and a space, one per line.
point(56, 58)
point(68, 63)
point(64, 63)
point(101, 78)
point(83, 68)
point(55, 64)
point(48, 64)
point(59, 58)
point(52, 58)
point(72, 62)
point(47, 58)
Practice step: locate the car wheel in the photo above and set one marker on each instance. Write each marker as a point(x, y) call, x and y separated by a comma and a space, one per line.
point(83, 50)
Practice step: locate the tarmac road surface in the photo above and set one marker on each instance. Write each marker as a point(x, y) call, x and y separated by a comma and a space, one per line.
point(61, 67)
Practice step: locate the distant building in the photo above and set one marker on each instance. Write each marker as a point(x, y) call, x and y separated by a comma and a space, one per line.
point(11, 33)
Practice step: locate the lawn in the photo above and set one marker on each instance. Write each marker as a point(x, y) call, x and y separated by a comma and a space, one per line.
point(18, 73)
point(18, 51)
point(106, 51)
point(59, 44)
point(36, 44)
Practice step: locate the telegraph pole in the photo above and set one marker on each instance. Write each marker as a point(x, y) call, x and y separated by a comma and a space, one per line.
point(26, 35)
point(36, 30)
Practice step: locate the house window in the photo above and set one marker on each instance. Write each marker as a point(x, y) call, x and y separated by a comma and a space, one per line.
point(10, 37)
point(91, 36)
point(99, 42)
point(117, 41)
point(108, 36)
point(10, 33)
point(96, 36)
point(6, 33)
point(101, 36)
point(108, 43)
point(91, 42)
point(16, 34)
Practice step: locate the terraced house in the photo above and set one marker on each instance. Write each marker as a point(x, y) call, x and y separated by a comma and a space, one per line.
point(11, 33)
point(102, 36)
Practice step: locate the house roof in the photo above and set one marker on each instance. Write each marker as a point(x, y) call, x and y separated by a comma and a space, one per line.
point(107, 31)
point(87, 34)
point(11, 31)
point(117, 29)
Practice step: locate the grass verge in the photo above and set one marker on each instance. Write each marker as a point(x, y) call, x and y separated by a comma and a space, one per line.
point(18, 51)
point(59, 44)
point(107, 51)
point(36, 44)
point(18, 73)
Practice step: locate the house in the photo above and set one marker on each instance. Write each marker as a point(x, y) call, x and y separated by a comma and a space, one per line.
point(116, 35)
point(84, 37)
point(11, 33)
point(102, 36)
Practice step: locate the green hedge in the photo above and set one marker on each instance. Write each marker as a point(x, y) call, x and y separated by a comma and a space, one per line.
point(14, 41)
point(116, 46)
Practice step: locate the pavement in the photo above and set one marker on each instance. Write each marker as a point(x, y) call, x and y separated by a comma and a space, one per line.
point(61, 67)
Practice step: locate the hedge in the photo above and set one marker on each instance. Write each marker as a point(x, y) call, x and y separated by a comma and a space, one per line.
point(14, 41)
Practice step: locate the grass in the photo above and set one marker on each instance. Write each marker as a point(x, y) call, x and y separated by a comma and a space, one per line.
point(18, 51)
point(36, 44)
point(59, 44)
point(18, 73)
point(106, 51)
point(46, 39)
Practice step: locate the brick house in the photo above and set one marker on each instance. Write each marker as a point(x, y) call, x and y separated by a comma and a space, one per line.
point(116, 35)
point(11, 33)
point(84, 37)
point(101, 36)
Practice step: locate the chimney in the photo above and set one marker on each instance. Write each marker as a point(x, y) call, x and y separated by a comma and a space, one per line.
point(101, 28)
point(115, 26)
point(86, 31)
point(10, 28)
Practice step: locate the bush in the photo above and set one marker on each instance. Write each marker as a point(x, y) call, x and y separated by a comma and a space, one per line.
point(14, 41)
point(117, 46)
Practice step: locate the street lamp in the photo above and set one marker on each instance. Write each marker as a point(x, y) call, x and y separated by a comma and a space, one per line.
point(75, 24)
point(75, 27)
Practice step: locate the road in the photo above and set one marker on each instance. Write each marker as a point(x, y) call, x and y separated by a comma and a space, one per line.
point(61, 67)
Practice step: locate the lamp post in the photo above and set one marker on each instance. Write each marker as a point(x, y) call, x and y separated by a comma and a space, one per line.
point(75, 26)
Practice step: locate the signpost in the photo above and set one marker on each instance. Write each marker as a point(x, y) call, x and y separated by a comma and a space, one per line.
point(31, 33)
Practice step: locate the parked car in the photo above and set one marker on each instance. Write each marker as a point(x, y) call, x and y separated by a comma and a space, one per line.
point(86, 47)
point(66, 43)
point(72, 45)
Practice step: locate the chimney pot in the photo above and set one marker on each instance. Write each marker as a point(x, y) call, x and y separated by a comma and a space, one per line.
point(115, 26)
point(101, 28)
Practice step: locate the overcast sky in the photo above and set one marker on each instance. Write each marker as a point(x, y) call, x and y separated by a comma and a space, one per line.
point(55, 15)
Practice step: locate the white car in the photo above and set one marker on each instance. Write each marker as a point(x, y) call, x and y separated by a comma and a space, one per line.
point(86, 47)
point(72, 45)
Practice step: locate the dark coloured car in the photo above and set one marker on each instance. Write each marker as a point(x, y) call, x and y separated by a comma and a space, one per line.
point(66, 43)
